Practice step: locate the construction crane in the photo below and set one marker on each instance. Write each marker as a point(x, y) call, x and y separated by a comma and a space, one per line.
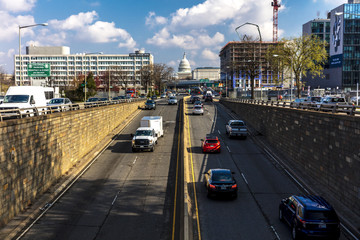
point(276, 6)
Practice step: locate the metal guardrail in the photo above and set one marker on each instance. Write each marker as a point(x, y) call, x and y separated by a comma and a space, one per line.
point(17, 113)
point(336, 108)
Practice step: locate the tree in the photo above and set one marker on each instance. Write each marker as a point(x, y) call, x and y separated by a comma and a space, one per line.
point(146, 76)
point(301, 56)
point(250, 62)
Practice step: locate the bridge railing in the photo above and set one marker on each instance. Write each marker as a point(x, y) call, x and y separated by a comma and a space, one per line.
point(14, 113)
point(336, 108)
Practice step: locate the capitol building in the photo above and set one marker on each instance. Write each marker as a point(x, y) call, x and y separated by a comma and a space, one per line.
point(184, 70)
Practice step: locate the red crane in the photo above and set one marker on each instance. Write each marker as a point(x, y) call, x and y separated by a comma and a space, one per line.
point(276, 6)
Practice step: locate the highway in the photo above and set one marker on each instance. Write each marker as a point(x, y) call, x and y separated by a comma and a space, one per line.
point(123, 195)
point(126, 195)
point(262, 182)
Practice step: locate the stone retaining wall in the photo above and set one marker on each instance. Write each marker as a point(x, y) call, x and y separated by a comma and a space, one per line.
point(325, 147)
point(35, 152)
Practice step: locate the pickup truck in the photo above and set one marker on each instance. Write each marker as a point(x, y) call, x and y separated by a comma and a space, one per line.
point(144, 138)
point(236, 128)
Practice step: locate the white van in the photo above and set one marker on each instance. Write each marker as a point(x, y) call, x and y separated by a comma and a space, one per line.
point(27, 98)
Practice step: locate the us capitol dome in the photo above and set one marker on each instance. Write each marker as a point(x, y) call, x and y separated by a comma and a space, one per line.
point(184, 70)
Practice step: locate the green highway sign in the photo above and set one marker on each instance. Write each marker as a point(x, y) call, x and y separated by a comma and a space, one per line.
point(38, 69)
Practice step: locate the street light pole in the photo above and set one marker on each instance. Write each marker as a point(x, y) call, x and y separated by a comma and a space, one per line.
point(109, 83)
point(20, 27)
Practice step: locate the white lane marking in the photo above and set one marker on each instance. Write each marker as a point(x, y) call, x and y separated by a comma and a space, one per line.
point(134, 161)
point(228, 149)
point(348, 231)
point(219, 132)
point(243, 176)
point(277, 235)
point(114, 199)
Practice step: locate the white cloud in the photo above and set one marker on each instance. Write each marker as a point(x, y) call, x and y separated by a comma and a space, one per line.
point(11, 52)
point(86, 29)
point(9, 26)
point(17, 5)
point(209, 55)
point(173, 63)
point(75, 21)
point(153, 20)
point(193, 40)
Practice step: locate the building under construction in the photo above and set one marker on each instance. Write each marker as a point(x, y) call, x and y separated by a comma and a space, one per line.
point(239, 58)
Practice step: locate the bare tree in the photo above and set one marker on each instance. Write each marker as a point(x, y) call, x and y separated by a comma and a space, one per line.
point(248, 62)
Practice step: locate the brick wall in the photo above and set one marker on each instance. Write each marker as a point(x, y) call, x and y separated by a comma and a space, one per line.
point(35, 152)
point(322, 146)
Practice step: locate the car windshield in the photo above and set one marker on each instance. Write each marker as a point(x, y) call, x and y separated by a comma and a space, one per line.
point(237, 124)
point(143, 133)
point(172, 97)
point(56, 101)
point(211, 141)
point(92, 99)
point(315, 99)
point(16, 98)
point(197, 108)
point(321, 215)
point(149, 101)
point(221, 176)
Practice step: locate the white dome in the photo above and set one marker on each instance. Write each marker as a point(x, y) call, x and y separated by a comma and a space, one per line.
point(184, 65)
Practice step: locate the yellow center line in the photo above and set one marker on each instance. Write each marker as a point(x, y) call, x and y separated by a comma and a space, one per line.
point(193, 174)
point(176, 185)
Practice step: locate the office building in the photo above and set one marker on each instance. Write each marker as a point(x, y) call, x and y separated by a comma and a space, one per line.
point(66, 66)
point(211, 73)
point(343, 35)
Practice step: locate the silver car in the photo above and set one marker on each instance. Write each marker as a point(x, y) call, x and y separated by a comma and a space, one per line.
point(59, 104)
point(172, 100)
point(197, 110)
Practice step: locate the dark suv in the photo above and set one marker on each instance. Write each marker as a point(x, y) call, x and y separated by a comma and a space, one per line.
point(309, 216)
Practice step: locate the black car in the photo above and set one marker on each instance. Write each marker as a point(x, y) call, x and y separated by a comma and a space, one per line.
point(309, 216)
point(208, 98)
point(150, 104)
point(154, 97)
point(194, 99)
point(118, 98)
point(220, 182)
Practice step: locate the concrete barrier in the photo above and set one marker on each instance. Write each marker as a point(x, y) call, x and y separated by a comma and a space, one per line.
point(36, 152)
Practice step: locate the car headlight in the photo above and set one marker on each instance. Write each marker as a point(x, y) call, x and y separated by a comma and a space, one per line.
point(151, 141)
point(133, 142)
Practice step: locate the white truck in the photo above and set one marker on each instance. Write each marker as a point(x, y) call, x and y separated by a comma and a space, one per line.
point(24, 99)
point(146, 136)
point(155, 122)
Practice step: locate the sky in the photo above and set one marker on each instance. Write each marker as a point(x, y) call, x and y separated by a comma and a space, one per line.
point(164, 28)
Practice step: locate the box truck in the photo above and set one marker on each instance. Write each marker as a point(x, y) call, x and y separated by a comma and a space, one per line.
point(146, 136)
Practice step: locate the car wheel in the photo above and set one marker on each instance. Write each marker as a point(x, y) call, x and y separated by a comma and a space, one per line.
point(208, 195)
point(281, 217)
point(245, 138)
point(153, 148)
point(133, 149)
point(235, 196)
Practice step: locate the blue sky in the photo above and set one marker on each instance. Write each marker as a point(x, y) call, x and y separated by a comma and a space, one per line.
point(165, 28)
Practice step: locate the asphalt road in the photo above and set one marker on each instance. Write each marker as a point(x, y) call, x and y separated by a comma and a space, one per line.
point(262, 183)
point(123, 195)
point(126, 195)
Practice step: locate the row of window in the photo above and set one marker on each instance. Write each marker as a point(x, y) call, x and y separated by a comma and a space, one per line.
point(318, 27)
point(70, 58)
point(351, 11)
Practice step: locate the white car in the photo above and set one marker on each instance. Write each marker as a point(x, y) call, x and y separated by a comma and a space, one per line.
point(198, 110)
point(59, 104)
point(172, 100)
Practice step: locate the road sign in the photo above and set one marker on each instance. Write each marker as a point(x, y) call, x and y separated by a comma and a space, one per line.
point(38, 69)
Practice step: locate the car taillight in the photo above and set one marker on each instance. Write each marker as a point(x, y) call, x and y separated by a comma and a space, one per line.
point(234, 186)
point(303, 222)
point(212, 186)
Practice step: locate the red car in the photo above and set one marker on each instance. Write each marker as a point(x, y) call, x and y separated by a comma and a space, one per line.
point(211, 144)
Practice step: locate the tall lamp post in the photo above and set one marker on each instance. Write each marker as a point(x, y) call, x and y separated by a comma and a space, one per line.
point(20, 27)
point(258, 28)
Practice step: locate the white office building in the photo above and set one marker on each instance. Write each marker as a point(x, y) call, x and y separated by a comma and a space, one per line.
point(211, 73)
point(65, 66)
